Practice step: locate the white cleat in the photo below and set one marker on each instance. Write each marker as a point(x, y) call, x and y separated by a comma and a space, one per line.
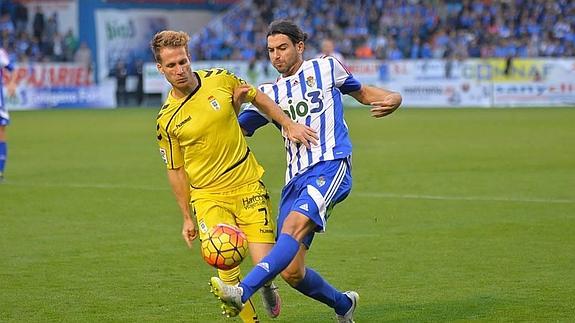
point(229, 295)
point(348, 317)
point(271, 300)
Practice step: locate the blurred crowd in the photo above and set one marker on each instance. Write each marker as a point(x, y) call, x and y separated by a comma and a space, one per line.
point(30, 35)
point(402, 29)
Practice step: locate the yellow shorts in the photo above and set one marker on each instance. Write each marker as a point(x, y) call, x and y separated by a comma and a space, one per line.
point(247, 207)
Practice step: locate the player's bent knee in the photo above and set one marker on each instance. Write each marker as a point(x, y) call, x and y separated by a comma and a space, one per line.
point(298, 226)
point(292, 277)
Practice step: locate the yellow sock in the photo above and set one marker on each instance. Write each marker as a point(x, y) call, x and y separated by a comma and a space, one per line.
point(232, 277)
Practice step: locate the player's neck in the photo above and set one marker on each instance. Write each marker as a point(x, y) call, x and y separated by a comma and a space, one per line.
point(184, 91)
point(293, 69)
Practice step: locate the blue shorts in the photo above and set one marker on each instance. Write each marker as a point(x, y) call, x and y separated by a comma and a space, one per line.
point(315, 192)
point(4, 118)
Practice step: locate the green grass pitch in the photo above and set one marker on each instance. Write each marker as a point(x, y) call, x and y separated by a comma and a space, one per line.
point(455, 215)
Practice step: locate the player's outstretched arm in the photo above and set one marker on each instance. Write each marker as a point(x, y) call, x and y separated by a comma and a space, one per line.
point(382, 102)
point(294, 131)
point(180, 186)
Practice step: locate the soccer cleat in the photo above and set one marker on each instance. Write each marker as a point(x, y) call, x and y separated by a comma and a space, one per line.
point(271, 300)
point(230, 296)
point(348, 317)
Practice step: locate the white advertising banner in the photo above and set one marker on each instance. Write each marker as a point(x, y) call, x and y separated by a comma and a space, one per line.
point(493, 69)
point(444, 94)
point(534, 94)
point(423, 83)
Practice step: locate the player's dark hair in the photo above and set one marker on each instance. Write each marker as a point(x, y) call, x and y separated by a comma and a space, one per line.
point(288, 28)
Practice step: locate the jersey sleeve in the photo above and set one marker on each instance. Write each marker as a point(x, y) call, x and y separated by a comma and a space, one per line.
point(235, 81)
point(344, 80)
point(169, 148)
point(251, 119)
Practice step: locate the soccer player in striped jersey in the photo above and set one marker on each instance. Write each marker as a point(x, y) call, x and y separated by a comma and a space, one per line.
point(4, 116)
point(210, 167)
point(317, 178)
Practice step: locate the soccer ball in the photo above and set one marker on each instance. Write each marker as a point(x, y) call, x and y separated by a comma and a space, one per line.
point(225, 248)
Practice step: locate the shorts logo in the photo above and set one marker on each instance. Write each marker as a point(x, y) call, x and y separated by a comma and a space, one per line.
point(304, 207)
point(203, 226)
point(163, 155)
point(320, 181)
point(254, 201)
point(214, 103)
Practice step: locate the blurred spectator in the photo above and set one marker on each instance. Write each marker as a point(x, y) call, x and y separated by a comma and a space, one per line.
point(58, 48)
point(364, 50)
point(120, 73)
point(51, 27)
point(38, 24)
point(328, 49)
point(84, 55)
point(20, 16)
point(140, 82)
point(70, 45)
point(6, 23)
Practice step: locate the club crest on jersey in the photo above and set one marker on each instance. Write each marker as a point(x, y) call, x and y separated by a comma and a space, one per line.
point(310, 81)
point(214, 103)
point(320, 181)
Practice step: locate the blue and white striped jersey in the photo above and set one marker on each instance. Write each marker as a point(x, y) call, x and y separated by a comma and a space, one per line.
point(312, 96)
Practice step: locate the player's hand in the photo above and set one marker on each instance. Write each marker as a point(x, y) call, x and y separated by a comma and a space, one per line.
point(189, 231)
point(301, 134)
point(240, 94)
point(386, 106)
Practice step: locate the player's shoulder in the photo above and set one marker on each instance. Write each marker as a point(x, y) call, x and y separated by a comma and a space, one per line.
point(215, 72)
point(165, 113)
point(266, 86)
point(328, 60)
point(218, 76)
point(170, 107)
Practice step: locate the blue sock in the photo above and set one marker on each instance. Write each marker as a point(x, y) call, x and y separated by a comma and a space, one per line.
point(314, 286)
point(277, 260)
point(3, 155)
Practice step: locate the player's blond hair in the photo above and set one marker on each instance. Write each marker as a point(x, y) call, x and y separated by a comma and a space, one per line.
point(168, 38)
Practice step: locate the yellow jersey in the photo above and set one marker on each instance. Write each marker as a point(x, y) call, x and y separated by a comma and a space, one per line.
point(201, 133)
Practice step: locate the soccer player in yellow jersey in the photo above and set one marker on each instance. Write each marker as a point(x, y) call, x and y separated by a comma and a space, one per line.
point(210, 166)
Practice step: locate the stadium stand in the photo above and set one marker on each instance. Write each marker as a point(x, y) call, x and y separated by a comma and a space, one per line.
point(381, 29)
point(400, 29)
point(29, 35)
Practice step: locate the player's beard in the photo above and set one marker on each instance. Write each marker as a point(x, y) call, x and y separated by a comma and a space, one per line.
point(287, 67)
